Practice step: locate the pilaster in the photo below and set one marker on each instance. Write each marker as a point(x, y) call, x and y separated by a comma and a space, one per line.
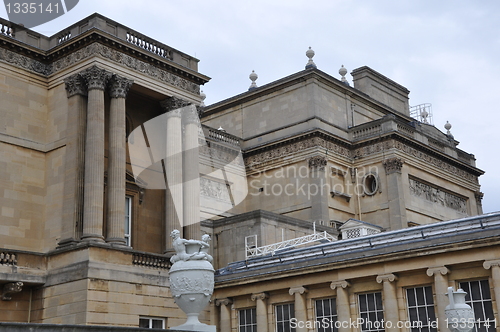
point(300, 306)
point(225, 314)
point(494, 265)
point(343, 305)
point(395, 193)
point(261, 310)
point(391, 311)
point(440, 274)
point(319, 190)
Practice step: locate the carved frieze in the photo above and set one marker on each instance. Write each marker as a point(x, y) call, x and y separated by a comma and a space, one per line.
point(101, 50)
point(204, 283)
point(317, 162)
point(214, 189)
point(438, 196)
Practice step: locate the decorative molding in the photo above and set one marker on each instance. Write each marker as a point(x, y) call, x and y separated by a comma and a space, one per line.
point(297, 290)
point(436, 270)
point(225, 301)
point(317, 162)
point(340, 284)
point(488, 264)
point(259, 296)
point(390, 277)
point(91, 50)
point(11, 288)
point(438, 196)
point(75, 85)
point(393, 165)
point(96, 78)
point(119, 86)
point(479, 197)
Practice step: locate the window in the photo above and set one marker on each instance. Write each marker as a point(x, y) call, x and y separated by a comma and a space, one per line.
point(128, 219)
point(326, 315)
point(152, 322)
point(371, 311)
point(247, 320)
point(479, 298)
point(284, 313)
point(421, 312)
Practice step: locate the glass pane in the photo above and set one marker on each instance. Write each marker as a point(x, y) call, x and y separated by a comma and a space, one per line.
point(242, 317)
point(420, 295)
point(286, 312)
point(319, 308)
point(466, 288)
point(488, 310)
point(157, 323)
point(428, 295)
point(143, 322)
point(475, 290)
point(327, 308)
point(362, 303)
point(334, 306)
point(371, 301)
point(422, 315)
point(378, 299)
point(485, 288)
point(248, 316)
point(413, 315)
point(410, 295)
point(279, 313)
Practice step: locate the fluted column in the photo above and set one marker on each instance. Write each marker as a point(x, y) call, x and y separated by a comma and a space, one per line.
point(300, 306)
point(119, 87)
point(225, 314)
point(96, 79)
point(261, 310)
point(441, 288)
point(173, 167)
point(343, 305)
point(494, 265)
point(74, 160)
point(191, 162)
point(391, 312)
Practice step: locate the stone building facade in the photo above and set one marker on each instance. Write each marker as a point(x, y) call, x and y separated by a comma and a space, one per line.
point(98, 122)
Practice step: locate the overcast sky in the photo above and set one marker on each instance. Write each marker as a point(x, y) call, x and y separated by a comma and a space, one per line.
point(446, 53)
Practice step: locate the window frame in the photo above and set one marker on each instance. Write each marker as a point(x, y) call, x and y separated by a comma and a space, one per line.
point(319, 319)
point(291, 316)
point(252, 325)
point(473, 303)
point(428, 325)
point(150, 321)
point(378, 311)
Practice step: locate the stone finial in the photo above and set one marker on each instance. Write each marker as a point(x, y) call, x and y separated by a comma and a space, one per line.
point(343, 72)
point(447, 126)
point(253, 77)
point(310, 54)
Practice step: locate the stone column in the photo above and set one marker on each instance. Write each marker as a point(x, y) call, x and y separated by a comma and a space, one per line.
point(96, 79)
point(319, 189)
point(479, 202)
point(225, 314)
point(395, 193)
point(391, 312)
point(119, 87)
point(261, 310)
point(343, 305)
point(494, 265)
point(74, 160)
point(191, 162)
point(441, 288)
point(300, 305)
point(173, 167)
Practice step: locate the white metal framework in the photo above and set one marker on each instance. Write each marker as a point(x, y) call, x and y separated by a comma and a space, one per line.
point(299, 241)
point(422, 113)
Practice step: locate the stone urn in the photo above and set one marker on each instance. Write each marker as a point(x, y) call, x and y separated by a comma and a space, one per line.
point(459, 315)
point(191, 280)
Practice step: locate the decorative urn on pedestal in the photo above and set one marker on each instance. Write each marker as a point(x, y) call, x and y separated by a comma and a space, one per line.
point(459, 315)
point(191, 279)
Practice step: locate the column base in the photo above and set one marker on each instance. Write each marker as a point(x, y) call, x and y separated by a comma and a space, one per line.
point(93, 238)
point(116, 242)
point(69, 242)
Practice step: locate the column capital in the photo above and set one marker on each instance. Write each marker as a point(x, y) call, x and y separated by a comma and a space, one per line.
point(488, 264)
point(259, 296)
point(436, 270)
point(317, 162)
point(225, 301)
point(389, 277)
point(172, 103)
point(119, 86)
point(340, 284)
point(75, 85)
point(479, 197)
point(300, 290)
point(393, 165)
point(96, 77)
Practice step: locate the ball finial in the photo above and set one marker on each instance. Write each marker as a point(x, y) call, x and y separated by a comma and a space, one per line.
point(202, 96)
point(343, 72)
point(447, 126)
point(310, 54)
point(253, 77)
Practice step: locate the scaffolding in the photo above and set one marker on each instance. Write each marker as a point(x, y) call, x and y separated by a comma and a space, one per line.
point(422, 113)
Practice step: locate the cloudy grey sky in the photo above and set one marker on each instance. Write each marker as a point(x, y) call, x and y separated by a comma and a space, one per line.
point(445, 52)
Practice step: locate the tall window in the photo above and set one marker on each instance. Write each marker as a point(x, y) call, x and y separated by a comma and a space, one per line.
point(326, 315)
point(479, 298)
point(152, 322)
point(420, 303)
point(371, 311)
point(247, 320)
point(128, 219)
point(284, 313)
